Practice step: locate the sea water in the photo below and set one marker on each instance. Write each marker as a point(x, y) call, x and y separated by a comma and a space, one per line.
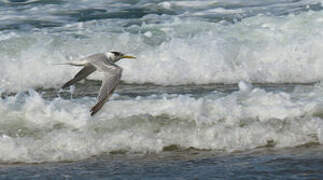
point(219, 90)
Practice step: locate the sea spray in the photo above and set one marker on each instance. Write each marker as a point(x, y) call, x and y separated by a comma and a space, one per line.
point(41, 130)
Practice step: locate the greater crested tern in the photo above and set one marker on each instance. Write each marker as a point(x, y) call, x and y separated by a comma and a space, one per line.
point(103, 62)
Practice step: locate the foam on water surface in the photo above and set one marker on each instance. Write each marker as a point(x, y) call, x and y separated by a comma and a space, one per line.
point(38, 130)
point(266, 49)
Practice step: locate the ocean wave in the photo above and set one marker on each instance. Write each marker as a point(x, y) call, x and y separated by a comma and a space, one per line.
point(37, 130)
point(262, 49)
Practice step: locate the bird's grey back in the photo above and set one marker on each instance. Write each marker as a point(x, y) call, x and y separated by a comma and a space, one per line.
point(98, 57)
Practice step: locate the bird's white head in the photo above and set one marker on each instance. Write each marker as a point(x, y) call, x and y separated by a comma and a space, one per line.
point(115, 56)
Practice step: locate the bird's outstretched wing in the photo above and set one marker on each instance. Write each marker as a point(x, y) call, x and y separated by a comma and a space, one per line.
point(87, 70)
point(90, 63)
point(112, 76)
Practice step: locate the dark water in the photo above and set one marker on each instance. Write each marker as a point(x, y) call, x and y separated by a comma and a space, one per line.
point(90, 88)
point(292, 163)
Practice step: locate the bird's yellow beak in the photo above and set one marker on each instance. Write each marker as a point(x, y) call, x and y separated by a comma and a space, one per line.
point(129, 57)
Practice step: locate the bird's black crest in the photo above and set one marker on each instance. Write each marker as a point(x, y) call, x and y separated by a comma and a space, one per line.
point(117, 53)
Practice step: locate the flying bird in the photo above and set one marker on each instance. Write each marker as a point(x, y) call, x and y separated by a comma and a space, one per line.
point(103, 62)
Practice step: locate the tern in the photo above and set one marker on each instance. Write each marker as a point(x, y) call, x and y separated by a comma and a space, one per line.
point(103, 62)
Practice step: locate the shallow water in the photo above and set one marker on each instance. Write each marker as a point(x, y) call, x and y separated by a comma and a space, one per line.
point(294, 163)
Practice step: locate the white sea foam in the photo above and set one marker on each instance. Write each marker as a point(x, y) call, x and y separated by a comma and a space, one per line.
point(259, 49)
point(188, 4)
point(177, 51)
point(36, 130)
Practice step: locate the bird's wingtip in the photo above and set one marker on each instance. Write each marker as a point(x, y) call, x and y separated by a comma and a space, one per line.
point(93, 112)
